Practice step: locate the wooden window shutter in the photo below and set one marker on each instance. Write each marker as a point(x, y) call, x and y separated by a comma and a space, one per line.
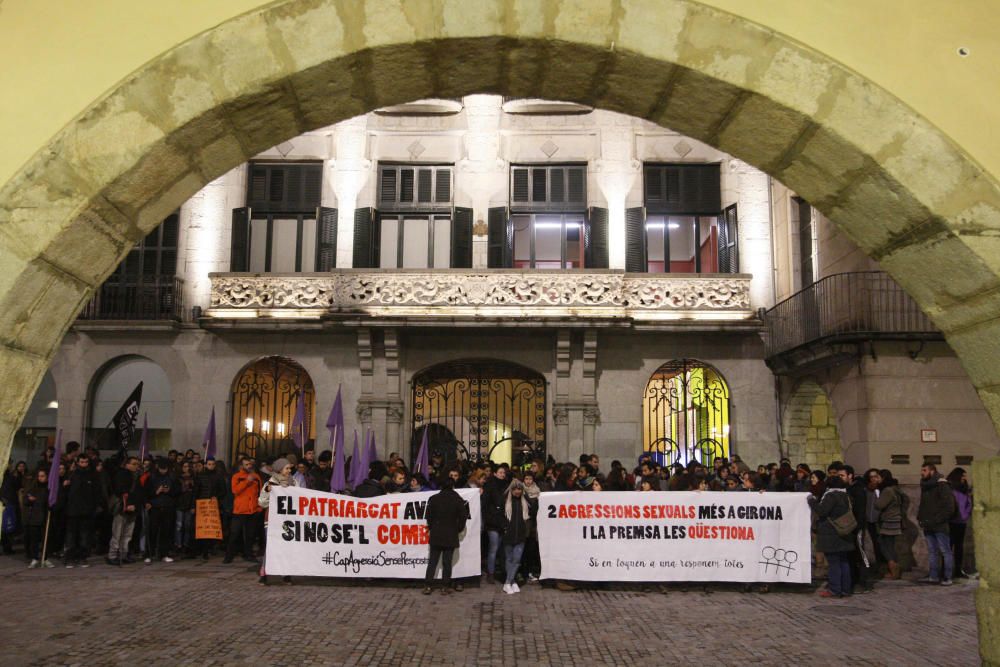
point(442, 186)
point(729, 257)
point(635, 240)
point(461, 238)
point(539, 191)
point(364, 239)
point(653, 177)
point(704, 189)
point(596, 238)
point(425, 187)
point(387, 184)
point(326, 241)
point(557, 178)
point(519, 190)
point(239, 248)
point(276, 185)
point(499, 241)
point(406, 185)
point(258, 184)
point(577, 190)
point(312, 186)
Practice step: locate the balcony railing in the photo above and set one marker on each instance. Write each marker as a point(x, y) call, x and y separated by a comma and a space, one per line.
point(458, 293)
point(846, 307)
point(150, 298)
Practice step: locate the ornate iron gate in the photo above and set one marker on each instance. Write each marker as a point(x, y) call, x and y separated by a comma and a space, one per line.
point(686, 413)
point(480, 409)
point(264, 399)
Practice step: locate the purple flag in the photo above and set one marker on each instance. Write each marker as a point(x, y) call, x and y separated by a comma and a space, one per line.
point(144, 440)
point(209, 438)
point(336, 425)
point(353, 478)
point(422, 465)
point(299, 423)
point(372, 451)
point(54, 472)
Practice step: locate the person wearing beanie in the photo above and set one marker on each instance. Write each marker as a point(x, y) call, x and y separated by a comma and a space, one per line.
point(281, 476)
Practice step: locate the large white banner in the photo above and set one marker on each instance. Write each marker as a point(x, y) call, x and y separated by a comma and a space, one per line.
point(312, 533)
point(675, 536)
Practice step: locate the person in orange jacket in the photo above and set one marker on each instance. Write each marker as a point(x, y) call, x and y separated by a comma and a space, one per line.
point(246, 487)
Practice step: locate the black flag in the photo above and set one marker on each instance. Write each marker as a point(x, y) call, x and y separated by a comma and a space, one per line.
point(123, 423)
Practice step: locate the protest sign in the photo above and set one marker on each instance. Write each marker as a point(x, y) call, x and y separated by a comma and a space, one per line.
point(207, 524)
point(313, 533)
point(675, 536)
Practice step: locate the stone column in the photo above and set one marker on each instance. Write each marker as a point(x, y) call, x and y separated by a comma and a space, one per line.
point(986, 529)
point(349, 171)
point(380, 407)
point(575, 410)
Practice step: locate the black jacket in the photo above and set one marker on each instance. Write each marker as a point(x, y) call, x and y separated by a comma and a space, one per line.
point(937, 504)
point(446, 515)
point(367, 489)
point(859, 500)
point(492, 504)
point(209, 484)
point(319, 479)
point(516, 530)
point(85, 494)
point(36, 510)
point(166, 500)
point(834, 504)
point(126, 486)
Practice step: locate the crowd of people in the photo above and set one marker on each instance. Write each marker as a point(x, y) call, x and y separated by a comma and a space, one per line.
point(129, 510)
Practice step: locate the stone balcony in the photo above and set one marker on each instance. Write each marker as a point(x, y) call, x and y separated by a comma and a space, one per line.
point(471, 297)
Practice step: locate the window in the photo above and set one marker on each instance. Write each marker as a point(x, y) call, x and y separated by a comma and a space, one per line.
point(152, 257)
point(686, 413)
point(682, 228)
point(415, 241)
point(283, 228)
point(548, 241)
point(415, 225)
point(549, 225)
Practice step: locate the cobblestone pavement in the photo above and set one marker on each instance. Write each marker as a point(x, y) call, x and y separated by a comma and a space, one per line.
point(193, 613)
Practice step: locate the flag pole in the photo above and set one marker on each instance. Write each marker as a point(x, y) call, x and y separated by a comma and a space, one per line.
point(45, 541)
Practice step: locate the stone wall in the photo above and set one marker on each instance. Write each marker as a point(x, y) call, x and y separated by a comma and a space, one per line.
point(986, 525)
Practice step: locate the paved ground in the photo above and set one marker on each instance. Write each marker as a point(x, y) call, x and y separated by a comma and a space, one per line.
point(190, 613)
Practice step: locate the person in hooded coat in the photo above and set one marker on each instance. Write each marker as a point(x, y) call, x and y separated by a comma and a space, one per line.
point(517, 514)
point(446, 515)
point(281, 476)
point(837, 549)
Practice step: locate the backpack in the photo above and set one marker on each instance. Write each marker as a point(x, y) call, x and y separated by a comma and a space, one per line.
point(846, 523)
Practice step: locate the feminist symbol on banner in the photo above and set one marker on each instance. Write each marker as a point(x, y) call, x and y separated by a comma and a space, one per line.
point(779, 559)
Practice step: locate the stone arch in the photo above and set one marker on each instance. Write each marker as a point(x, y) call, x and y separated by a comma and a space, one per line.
point(809, 427)
point(264, 400)
point(113, 383)
point(895, 184)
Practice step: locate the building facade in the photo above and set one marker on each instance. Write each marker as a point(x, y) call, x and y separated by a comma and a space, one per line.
point(520, 277)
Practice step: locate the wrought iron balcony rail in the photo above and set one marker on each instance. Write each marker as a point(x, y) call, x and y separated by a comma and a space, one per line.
point(846, 307)
point(144, 298)
point(458, 293)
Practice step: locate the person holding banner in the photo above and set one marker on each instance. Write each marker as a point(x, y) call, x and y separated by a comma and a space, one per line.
point(518, 515)
point(209, 492)
point(446, 515)
point(281, 475)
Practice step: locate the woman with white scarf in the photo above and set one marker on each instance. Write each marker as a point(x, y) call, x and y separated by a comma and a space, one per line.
point(281, 475)
point(518, 515)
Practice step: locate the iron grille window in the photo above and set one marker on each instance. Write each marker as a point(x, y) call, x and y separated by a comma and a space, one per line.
point(414, 187)
point(686, 413)
point(284, 187)
point(480, 409)
point(548, 188)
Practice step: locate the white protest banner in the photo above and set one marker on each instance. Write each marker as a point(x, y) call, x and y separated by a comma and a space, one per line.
point(675, 536)
point(312, 533)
